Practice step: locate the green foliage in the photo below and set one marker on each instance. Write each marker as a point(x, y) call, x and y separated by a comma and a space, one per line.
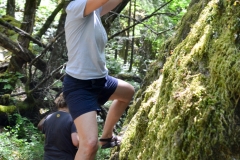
point(102, 154)
point(21, 141)
point(43, 12)
point(152, 33)
point(8, 79)
point(2, 7)
point(113, 65)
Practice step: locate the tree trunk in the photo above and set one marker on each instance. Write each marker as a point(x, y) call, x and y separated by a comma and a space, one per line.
point(189, 108)
point(27, 26)
point(133, 39)
point(128, 33)
point(24, 54)
point(50, 20)
point(11, 8)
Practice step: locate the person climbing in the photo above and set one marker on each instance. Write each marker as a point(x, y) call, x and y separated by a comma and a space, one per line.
point(87, 84)
point(61, 139)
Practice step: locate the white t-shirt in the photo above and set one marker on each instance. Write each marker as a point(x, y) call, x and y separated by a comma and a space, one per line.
point(86, 39)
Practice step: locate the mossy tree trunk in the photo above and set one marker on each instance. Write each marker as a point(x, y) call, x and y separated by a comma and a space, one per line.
point(188, 108)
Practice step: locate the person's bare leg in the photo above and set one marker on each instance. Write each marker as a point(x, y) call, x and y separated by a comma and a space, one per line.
point(87, 129)
point(122, 96)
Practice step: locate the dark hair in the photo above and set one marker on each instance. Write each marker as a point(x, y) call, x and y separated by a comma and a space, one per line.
point(60, 101)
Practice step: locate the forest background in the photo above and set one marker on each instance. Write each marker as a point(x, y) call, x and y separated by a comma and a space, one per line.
point(31, 77)
point(186, 74)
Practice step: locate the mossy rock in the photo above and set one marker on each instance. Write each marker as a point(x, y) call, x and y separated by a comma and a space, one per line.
point(191, 110)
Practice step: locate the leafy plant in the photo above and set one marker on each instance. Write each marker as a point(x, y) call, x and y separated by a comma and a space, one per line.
point(102, 154)
point(8, 78)
point(113, 65)
point(21, 141)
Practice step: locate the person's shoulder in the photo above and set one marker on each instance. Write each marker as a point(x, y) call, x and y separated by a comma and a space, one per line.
point(67, 115)
point(48, 116)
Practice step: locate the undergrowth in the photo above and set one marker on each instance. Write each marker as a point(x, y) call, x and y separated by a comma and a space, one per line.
point(22, 141)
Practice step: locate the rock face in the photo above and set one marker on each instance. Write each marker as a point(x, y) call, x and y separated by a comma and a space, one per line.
point(189, 108)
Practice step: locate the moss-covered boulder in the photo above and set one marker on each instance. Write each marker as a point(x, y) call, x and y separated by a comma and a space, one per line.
point(189, 109)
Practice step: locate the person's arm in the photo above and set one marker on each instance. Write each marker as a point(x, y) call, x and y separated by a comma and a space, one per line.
point(74, 135)
point(92, 5)
point(40, 124)
point(75, 139)
point(107, 5)
point(110, 5)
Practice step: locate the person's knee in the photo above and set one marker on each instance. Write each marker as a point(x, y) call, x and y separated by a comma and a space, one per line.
point(87, 149)
point(91, 145)
point(131, 92)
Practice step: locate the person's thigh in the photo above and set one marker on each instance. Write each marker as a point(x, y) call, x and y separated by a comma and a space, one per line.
point(87, 128)
point(124, 91)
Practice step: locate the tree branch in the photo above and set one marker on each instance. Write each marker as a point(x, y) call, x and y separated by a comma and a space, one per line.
point(121, 15)
point(39, 84)
point(140, 21)
point(49, 20)
point(23, 53)
point(46, 78)
point(21, 32)
point(47, 47)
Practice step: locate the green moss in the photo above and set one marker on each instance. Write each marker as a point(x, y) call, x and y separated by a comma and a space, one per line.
point(11, 20)
point(7, 109)
point(190, 113)
point(24, 105)
point(140, 122)
point(10, 33)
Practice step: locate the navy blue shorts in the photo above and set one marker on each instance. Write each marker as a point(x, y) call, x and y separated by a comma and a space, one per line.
point(84, 96)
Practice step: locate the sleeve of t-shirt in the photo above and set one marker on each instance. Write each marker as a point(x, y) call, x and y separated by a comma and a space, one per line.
point(99, 10)
point(73, 128)
point(76, 8)
point(45, 123)
point(44, 127)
